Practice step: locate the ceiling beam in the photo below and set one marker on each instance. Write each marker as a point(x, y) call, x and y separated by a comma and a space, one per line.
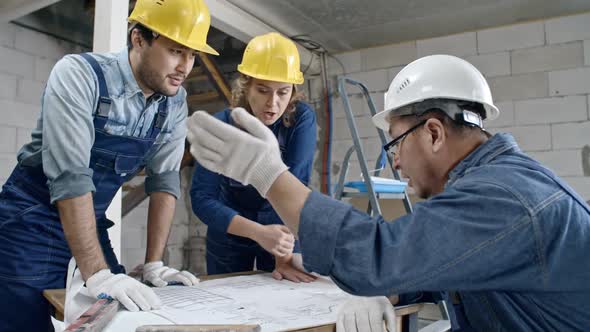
point(13, 9)
point(241, 25)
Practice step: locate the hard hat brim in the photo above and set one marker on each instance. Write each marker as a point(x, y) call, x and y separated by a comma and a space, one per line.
point(269, 77)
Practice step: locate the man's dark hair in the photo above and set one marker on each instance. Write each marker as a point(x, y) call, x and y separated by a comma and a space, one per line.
point(145, 33)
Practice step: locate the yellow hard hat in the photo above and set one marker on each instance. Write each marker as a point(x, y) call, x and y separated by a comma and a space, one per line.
point(272, 57)
point(184, 21)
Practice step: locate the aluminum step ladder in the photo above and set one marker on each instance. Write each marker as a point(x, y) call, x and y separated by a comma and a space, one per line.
point(373, 196)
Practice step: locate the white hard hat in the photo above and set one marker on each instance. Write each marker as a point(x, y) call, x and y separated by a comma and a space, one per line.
point(435, 77)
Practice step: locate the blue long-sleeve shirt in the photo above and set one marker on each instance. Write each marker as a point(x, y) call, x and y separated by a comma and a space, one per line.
point(215, 198)
point(506, 234)
point(64, 134)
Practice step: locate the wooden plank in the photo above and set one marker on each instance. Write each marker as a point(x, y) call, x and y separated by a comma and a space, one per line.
point(133, 198)
point(216, 76)
point(57, 298)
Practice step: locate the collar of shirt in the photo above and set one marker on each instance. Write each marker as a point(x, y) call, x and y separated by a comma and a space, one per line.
point(131, 85)
point(493, 147)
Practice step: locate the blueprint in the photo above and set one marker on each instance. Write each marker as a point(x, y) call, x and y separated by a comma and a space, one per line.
point(253, 299)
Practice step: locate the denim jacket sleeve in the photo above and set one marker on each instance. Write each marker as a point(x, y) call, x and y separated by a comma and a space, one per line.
point(163, 167)
point(473, 236)
point(68, 103)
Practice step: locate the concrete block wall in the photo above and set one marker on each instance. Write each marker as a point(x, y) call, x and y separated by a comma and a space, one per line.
point(27, 58)
point(539, 74)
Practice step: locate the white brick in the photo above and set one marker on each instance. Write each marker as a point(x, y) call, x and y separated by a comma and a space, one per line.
point(531, 138)
point(357, 104)
point(17, 114)
point(506, 117)
point(563, 29)
point(550, 110)
point(354, 170)
point(569, 82)
point(23, 136)
point(36, 43)
point(388, 56)
point(43, 68)
point(492, 64)
point(551, 57)
point(581, 185)
point(351, 61)
point(364, 127)
point(586, 52)
point(371, 148)
point(132, 257)
point(516, 87)
point(7, 87)
point(7, 163)
point(16, 63)
point(392, 73)
point(7, 34)
point(7, 139)
point(375, 80)
point(133, 239)
point(29, 91)
point(571, 135)
point(178, 235)
point(510, 37)
point(461, 45)
point(378, 100)
point(562, 162)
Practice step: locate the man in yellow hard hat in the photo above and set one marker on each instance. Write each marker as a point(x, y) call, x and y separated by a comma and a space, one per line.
point(104, 117)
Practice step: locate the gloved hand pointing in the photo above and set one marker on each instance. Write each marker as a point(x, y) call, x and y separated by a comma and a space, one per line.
point(160, 275)
point(131, 293)
point(250, 156)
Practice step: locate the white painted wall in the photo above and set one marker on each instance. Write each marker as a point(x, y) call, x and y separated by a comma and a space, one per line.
point(26, 60)
point(539, 73)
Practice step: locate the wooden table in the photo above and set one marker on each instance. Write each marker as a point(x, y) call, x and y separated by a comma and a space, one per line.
point(57, 298)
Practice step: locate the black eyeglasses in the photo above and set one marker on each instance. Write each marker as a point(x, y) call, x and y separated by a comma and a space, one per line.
point(391, 146)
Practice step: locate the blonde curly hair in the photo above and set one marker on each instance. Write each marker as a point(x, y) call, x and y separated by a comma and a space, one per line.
point(239, 98)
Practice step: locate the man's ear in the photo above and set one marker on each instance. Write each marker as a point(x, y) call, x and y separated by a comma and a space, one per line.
point(437, 133)
point(136, 39)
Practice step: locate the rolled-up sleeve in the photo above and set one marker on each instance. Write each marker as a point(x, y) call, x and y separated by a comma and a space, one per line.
point(68, 104)
point(162, 169)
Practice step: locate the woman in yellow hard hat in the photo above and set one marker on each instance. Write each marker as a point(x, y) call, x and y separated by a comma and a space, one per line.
point(242, 226)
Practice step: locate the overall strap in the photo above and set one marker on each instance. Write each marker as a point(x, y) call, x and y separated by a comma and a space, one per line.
point(104, 101)
point(158, 123)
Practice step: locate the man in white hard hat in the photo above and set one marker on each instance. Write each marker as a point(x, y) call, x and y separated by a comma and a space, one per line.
point(499, 229)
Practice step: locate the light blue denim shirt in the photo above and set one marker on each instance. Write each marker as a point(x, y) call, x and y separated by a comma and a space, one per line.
point(506, 234)
point(64, 134)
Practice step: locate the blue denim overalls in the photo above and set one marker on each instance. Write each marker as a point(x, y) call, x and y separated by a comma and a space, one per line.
point(33, 247)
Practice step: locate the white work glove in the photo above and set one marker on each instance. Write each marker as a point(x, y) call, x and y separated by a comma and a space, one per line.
point(366, 314)
point(132, 294)
point(160, 275)
point(250, 156)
